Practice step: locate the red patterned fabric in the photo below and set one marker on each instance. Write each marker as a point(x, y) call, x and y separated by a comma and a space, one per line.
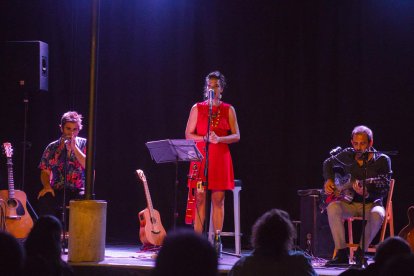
point(220, 172)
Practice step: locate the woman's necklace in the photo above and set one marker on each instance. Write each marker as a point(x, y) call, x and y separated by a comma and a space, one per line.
point(215, 117)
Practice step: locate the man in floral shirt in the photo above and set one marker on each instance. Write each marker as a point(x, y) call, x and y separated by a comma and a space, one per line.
point(63, 167)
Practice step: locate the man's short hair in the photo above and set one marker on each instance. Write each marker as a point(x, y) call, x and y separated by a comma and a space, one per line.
point(71, 117)
point(362, 130)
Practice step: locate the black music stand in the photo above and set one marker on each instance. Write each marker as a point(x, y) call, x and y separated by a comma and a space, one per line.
point(174, 151)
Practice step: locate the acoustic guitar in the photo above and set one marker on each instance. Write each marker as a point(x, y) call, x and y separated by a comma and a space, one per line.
point(407, 232)
point(151, 231)
point(18, 220)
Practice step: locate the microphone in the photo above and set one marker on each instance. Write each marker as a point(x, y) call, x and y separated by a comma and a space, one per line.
point(68, 140)
point(210, 95)
point(335, 151)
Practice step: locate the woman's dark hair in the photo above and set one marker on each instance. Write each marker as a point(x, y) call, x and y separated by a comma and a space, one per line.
point(273, 233)
point(11, 255)
point(44, 239)
point(186, 253)
point(214, 75)
point(43, 247)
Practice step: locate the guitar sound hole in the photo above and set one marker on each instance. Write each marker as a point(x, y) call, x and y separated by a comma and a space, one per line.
point(12, 203)
point(17, 204)
point(153, 220)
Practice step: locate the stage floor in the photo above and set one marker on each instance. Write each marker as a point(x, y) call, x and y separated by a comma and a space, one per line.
point(129, 260)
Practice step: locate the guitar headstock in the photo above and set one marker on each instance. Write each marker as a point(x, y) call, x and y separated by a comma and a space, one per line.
point(141, 175)
point(8, 150)
point(378, 182)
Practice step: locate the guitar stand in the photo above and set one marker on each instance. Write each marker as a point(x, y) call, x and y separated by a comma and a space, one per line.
point(31, 210)
point(231, 254)
point(26, 145)
point(150, 248)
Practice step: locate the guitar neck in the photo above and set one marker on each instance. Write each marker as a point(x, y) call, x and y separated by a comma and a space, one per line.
point(148, 197)
point(10, 178)
point(376, 182)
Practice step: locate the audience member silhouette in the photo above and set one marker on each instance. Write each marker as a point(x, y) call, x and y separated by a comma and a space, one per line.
point(44, 249)
point(11, 255)
point(388, 249)
point(186, 253)
point(272, 240)
point(400, 265)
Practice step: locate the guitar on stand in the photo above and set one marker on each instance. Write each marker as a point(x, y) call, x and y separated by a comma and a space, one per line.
point(18, 221)
point(151, 231)
point(407, 232)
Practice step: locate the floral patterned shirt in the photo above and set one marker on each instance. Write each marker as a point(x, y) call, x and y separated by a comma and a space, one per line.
point(53, 159)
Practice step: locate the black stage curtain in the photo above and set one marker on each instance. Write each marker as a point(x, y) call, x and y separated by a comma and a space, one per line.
point(301, 75)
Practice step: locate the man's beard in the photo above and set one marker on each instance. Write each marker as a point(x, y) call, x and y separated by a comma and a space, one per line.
point(361, 155)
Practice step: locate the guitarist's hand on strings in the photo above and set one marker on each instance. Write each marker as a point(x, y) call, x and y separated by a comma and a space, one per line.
point(357, 186)
point(329, 186)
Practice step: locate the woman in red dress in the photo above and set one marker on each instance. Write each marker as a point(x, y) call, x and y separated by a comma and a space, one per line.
point(224, 130)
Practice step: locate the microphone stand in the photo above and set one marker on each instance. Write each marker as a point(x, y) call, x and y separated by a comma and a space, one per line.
point(63, 214)
point(205, 184)
point(365, 157)
point(26, 146)
point(364, 165)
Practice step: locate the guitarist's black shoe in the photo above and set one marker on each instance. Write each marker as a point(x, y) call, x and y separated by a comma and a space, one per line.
point(341, 258)
point(359, 262)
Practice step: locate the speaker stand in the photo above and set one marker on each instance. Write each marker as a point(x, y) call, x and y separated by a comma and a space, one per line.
point(26, 145)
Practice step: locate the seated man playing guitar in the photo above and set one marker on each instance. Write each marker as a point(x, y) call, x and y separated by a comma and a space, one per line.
point(359, 163)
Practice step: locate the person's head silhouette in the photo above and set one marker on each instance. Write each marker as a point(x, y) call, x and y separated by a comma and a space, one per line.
point(186, 253)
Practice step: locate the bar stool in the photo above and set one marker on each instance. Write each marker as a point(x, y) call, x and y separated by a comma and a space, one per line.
point(236, 209)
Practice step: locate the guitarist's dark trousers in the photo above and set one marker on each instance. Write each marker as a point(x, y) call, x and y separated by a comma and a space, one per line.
point(52, 205)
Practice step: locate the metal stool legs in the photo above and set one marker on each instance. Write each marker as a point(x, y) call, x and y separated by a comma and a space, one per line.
point(236, 210)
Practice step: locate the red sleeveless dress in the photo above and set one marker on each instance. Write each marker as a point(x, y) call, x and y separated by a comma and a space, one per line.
point(220, 169)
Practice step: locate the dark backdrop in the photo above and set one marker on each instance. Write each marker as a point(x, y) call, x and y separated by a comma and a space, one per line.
point(301, 75)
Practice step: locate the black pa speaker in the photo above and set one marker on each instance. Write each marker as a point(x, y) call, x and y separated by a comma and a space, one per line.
point(27, 66)
point(315, 234)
